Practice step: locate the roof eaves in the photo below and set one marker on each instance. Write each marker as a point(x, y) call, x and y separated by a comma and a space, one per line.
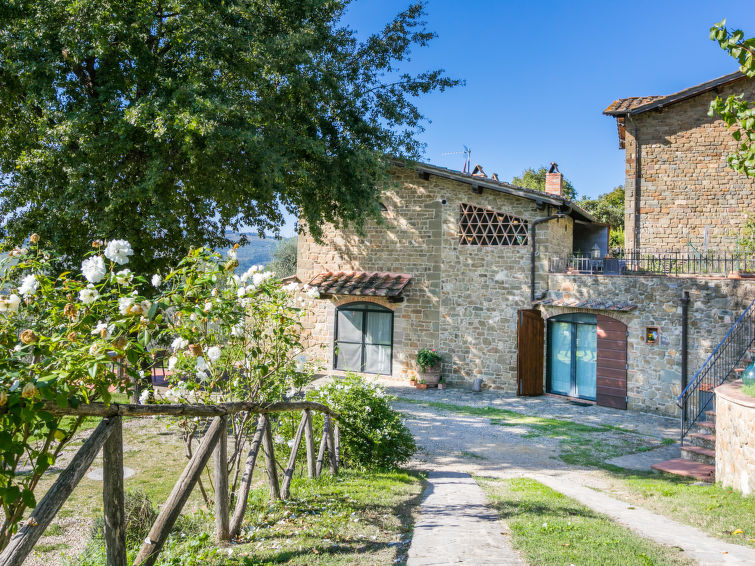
point(616, 109)
point(502, 187)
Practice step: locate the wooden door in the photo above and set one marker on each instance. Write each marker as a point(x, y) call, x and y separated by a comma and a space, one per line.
point(612, 363)
point(530, 338)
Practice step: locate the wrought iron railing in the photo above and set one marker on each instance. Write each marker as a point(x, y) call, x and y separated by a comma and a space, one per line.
point(699, 393)
point(665, 263)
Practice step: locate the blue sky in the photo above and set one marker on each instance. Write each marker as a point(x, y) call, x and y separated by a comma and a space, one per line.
point(539, 74)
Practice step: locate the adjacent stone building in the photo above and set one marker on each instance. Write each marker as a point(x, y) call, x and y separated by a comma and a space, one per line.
point(680, 192)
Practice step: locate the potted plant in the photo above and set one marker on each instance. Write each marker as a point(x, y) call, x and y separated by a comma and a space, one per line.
point(441, 384)
point(413, 380)
point(422, 384)
point(428, 361)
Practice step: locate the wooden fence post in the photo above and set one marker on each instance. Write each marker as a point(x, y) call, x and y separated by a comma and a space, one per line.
point(246, 479)
point(114, 528)
point(338, 446)
point(289, 474)
point(323, 442)
point(269, 452)
point(331, 448)
point(309, 439)
point(28, 534)
point(221, 484)
point(177, 498)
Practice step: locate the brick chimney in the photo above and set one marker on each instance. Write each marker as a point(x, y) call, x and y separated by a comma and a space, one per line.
point(554, 181)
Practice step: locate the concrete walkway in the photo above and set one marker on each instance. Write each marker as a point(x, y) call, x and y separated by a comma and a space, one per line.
point(697, 545)
point(456, 526)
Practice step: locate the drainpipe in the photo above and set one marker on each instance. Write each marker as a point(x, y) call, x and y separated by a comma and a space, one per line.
point(685, 348)
point(533, 229)
point(637, 185)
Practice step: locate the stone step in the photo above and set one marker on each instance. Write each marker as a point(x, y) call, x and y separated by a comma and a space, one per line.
point(687, 468)
point(707, 426)
point(699, 454)
point(711, 416)
point(703, 440)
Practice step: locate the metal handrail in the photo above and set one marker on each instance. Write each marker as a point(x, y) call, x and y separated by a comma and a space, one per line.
point(699, 393)
point(656, 262)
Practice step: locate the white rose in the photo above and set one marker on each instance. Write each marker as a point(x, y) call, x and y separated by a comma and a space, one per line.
point(213, 354)
point(157, 280)
point(94, 269)
point(13, 302)
point(201, 364)
point(88, 295)
point(179, 343)
point(123, 277)
point(118, 251)
point(207, 307)
point(172, 361)
point(28, 286)
point(125, 304)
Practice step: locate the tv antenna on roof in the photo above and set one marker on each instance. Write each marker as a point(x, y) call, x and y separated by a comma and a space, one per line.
point(467, 159)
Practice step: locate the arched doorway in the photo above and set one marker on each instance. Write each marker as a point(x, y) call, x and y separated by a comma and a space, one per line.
point(573, 355)
point(587, 358)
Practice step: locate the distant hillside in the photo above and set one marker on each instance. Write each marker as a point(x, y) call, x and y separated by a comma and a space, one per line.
point(258, 251)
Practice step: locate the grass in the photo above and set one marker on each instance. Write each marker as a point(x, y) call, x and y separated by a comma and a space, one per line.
point(579, 444)
point(722, 512)
point(551, 529)
point(749, 389)
point(353, 518)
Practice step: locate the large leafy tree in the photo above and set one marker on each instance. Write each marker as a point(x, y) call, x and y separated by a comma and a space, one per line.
point(535, 179)
point(168, 122)
point(735, 111)
point(608, 208)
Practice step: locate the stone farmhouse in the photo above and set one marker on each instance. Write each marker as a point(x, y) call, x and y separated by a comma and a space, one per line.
point(518, 287)
point(679, 188)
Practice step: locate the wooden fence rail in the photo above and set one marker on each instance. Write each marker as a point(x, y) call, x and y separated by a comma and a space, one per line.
point(108, 437)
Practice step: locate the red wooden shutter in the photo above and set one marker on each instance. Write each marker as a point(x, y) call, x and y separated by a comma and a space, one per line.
point(612, 363)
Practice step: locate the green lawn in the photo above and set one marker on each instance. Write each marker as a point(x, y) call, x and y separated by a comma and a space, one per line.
point(551, 529)
point(722, 512)
point(579, 444)
point(354, 518)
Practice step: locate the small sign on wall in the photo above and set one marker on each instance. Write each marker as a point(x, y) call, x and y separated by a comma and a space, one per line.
point(652, 335)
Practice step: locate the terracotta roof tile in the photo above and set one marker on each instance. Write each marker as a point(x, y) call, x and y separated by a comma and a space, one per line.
point(371, 284)
point(626, 104)
point(595, 304)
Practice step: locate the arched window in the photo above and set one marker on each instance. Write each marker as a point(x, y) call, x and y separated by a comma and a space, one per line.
point(364, 338)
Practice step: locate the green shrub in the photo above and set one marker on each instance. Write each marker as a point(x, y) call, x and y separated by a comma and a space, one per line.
point(373, 435)
point(139, 514)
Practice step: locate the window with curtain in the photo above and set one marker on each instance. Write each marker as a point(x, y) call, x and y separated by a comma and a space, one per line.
point(364, 338)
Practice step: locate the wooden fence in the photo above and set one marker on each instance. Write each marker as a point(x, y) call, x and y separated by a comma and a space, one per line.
point(108, 437)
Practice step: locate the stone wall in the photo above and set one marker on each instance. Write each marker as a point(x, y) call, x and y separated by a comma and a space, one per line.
point(735, 441)
point(654, 374)
point(462, 299)
point(686, 184)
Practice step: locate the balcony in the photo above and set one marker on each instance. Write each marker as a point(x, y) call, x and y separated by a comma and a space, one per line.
point(723, 264)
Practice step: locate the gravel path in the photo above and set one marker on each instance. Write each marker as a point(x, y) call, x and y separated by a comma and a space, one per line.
point(453, 443)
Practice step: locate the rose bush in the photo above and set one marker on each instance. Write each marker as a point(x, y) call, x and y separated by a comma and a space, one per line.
point(70, 338)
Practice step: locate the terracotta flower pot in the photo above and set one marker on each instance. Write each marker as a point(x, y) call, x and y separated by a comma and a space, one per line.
point(431, 375)
point(421, 386)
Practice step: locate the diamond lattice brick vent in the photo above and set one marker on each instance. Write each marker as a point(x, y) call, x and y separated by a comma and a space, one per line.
point(484, 227)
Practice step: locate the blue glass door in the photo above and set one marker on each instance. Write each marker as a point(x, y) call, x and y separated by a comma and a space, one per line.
point(572, 355)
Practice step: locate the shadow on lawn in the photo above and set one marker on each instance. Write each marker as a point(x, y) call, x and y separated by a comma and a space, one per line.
point(404, 511)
